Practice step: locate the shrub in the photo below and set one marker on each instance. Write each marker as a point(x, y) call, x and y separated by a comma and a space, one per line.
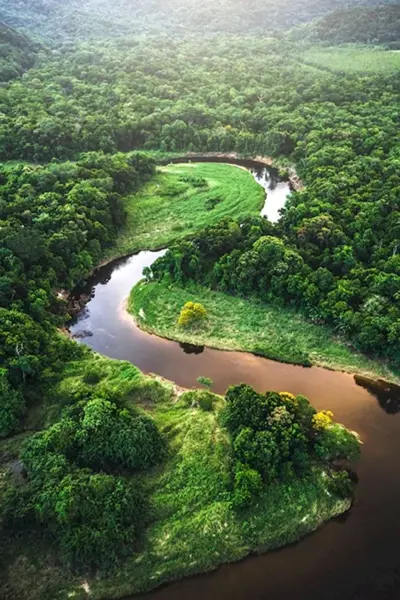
point(12, 407)
point(322, 420)
point(341, 484)
point(92, 376)
point(199, 398)
point(192, 312)
point(206, 381)
point(206, 401)
point(337, 443)
point(247, 486)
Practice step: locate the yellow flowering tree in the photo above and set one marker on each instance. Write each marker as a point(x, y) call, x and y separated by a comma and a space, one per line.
point(322, 420)
point(192, 312)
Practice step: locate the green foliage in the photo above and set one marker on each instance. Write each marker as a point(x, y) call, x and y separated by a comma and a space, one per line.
point(248, 486)
point(341, 485)
point(206, 381)
point(17, 53)
point(110, 438)
point(192, 313)
point(12, 407)
point(199, 398)
point(362, 25)
point(337, 442)
point(277, 437)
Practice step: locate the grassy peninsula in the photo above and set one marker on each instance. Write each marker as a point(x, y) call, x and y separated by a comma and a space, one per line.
point(194, 524)
point(182, 199)
point(234, 323)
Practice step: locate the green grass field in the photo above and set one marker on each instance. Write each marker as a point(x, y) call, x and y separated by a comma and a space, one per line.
point(194, 528)
point(174, 204)
point(354, 59)
point(235, 324)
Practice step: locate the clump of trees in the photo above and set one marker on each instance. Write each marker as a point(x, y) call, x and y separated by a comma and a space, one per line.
point(277, 436)
point(74, 490)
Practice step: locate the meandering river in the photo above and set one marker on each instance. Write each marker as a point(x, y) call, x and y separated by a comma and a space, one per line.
point(356, 557)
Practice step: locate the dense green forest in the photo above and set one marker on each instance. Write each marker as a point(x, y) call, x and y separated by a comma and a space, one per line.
point(112, 459)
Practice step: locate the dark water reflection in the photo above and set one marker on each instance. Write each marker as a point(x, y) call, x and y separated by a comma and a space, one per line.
point(191, 348)
point(353, 558)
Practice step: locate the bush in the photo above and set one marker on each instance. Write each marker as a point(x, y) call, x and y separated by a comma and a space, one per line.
point(206, 381)
point(12, 407)
point(192, 312)
point(199, 398)
point(341, 484)
point(322, 420)
point(247, 486)
point(336, 443)
point(92, 376)
point(206, 401)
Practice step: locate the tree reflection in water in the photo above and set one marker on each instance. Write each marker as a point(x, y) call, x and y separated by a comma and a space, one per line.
point(387, 394)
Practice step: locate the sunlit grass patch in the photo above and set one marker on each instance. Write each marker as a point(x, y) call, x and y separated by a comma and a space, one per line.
point(354, 59)
point(233, 323)
point(172, 205)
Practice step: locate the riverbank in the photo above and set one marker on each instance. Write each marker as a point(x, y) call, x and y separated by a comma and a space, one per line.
point(232, 323)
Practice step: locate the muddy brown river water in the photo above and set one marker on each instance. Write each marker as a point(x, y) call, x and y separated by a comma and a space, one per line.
point(356, 557)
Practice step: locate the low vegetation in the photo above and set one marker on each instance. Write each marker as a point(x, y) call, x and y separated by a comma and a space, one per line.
point(354, 59)
point(134, 483)
point(181, 199)
point(235, 323)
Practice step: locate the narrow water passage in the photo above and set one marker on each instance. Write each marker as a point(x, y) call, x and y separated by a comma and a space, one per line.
point(356, 557)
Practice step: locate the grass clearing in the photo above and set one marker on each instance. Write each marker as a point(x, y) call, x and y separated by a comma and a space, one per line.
point(353, 59)
point(232, 323)
point(194, 528)
point(184, 198)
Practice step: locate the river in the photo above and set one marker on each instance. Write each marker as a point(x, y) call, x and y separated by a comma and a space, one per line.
point(356, 557)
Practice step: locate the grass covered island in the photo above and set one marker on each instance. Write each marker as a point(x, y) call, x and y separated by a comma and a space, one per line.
point(135, 482)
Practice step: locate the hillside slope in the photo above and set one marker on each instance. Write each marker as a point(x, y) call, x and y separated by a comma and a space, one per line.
point(56, 19)
point(361, 25)
point(17, 53)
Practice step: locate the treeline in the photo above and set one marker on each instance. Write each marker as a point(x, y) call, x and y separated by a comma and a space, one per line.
point(55, 19)
point(380, 25)
point(55, 223)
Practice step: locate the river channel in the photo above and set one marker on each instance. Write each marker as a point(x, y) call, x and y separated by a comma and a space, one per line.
point(356, 557)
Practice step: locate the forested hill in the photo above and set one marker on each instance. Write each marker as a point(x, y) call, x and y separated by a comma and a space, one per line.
point(60, 19)
point(17, 53)
point(377, 25)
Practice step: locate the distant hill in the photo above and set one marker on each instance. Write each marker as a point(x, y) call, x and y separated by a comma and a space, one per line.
point(379, 25)
point(70, 19)
point(17, 53)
